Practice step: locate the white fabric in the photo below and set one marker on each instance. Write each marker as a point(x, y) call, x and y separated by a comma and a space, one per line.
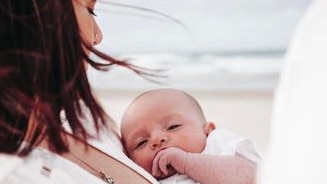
point(29, 170)
point(224, 143)
point(297, 153)
point(14, 170)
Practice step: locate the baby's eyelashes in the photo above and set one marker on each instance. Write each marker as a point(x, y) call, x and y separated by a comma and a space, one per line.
point(140, 144)
point(173, 127)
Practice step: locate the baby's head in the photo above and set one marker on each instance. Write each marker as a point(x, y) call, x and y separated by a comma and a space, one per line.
point(163, 118)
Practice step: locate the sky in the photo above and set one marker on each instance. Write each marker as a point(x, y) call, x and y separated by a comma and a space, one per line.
point(223, 26)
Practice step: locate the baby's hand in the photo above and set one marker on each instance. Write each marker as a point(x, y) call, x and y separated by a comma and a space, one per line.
point(168, 161)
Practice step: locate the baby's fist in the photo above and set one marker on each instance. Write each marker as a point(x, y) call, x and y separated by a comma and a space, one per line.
point(167, 160)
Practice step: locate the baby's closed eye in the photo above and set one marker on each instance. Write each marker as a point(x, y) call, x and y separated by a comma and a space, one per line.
point(140, 144)
point(174, 127)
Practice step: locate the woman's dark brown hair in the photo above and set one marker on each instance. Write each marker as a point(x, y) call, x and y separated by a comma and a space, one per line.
point(42, 73)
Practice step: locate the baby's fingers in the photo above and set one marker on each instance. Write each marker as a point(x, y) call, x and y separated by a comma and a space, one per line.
point(155, 164)
point(163, 164)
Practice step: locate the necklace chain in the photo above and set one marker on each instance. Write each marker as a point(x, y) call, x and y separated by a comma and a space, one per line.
point(101, 174)
point(106, 178)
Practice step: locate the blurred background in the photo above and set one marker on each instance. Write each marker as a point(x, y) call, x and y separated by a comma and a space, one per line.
point(226, 53)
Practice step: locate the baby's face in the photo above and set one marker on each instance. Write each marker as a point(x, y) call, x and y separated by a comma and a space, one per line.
point(154, 124)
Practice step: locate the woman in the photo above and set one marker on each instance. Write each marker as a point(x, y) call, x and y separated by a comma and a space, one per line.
point(44, 51)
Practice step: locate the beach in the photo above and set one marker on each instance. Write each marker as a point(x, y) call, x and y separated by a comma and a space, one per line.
point(235, 91)
point(246, 113)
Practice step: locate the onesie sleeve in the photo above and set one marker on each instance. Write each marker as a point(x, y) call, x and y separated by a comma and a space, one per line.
point(226, 143)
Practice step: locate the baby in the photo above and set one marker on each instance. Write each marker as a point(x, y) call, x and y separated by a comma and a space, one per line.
point(165, 132)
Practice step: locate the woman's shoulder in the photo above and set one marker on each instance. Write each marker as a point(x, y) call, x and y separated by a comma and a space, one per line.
point(7, 164)
point(42, 166)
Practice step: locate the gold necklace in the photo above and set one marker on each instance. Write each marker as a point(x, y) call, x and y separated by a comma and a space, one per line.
point(101, 174)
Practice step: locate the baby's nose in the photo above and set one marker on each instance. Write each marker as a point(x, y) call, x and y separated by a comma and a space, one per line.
point(158, 142)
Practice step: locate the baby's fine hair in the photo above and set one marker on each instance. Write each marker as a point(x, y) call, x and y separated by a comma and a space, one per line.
point(192, 100)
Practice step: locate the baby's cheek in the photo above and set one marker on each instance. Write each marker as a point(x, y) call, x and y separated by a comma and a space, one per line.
point(144, 160)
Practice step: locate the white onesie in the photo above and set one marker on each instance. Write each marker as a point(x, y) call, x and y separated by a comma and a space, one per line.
point(221, 142)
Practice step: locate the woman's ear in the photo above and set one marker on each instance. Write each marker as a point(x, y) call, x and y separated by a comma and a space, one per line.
point(208, 127)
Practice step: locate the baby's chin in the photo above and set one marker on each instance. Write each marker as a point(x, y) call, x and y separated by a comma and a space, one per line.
point(171, 171)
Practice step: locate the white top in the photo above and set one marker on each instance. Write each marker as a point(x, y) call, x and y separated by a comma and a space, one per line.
point(15, 170)
point(221, 142)
point(30, 170)
point(297, 152)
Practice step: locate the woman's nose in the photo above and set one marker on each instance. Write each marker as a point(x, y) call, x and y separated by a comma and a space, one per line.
point(98, 35)
point(158, 141)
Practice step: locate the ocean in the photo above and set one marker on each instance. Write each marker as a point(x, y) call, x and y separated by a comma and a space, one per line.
point(225, 45)
point(194, 71)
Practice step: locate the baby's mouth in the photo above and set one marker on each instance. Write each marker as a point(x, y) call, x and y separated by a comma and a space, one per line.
point(159, 151)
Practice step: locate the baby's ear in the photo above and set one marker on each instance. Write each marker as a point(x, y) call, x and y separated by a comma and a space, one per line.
point(208, 127)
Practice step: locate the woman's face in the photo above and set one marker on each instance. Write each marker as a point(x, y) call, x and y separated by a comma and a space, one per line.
point(89, 29)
